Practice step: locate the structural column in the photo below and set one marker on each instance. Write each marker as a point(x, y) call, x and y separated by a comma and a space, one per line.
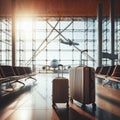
point(13, 33)
point(99, 34)
point(112, 29)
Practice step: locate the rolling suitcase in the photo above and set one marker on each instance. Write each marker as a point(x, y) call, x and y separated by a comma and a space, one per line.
point(60, 89)
point(82, 85)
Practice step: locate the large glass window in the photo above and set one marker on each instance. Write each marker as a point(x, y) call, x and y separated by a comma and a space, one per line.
point(38, 40)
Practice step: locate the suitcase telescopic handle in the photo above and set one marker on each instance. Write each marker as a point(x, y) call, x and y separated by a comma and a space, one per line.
point(60, 66)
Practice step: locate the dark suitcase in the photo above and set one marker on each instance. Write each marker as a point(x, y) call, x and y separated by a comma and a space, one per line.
point(60, 89)
point(82, 85)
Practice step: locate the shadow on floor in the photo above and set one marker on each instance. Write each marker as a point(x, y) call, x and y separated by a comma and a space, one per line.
point(12, 96)
point(110, 100)
point(105, 115)
point(69, 114)
point(72, 114)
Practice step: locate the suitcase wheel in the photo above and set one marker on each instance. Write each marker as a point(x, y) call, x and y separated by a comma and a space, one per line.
point(94, 106)
point(71, 100)
point(83, 106)
point(53, 104)
point(67, 105)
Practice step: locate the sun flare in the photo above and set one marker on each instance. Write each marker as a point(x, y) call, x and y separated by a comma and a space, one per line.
point(25, 26)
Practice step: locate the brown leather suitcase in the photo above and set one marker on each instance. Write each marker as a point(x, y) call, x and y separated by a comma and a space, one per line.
point(60, 90)
point(82, 85)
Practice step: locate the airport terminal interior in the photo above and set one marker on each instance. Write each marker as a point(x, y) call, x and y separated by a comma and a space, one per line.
point(41, 40)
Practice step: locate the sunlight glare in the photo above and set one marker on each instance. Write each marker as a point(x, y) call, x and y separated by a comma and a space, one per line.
point(25, 25)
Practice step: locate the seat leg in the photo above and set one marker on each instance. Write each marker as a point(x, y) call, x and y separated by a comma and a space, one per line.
point(19, 82)
point(31, 78)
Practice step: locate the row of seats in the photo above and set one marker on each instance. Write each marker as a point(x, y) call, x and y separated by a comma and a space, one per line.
point(109, 72)
point(15, 73)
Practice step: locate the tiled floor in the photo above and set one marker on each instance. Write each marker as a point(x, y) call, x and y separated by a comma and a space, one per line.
point(34, 102)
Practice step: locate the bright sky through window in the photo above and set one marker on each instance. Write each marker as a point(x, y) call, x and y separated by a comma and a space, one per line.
point(25, 25)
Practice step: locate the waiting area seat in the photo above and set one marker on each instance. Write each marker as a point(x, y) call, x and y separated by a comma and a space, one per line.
point(29, 73)
point(109, 73)
point(13, 74)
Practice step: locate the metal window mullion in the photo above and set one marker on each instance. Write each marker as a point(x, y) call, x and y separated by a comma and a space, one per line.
point(33, 44)
point(0, 40)
point(106, 39)
point(6, 40)
point(117, 39)
point(93, 41)
point(59, 42)
point(46, 44)
point(20, 46)
point(119, 42)
point(72, 50)
point(10, 40)
point(86, 38)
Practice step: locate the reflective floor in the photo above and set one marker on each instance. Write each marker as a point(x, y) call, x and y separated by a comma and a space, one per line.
point(34, 102)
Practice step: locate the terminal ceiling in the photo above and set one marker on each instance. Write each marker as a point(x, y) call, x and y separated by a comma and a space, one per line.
point(57, 8)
